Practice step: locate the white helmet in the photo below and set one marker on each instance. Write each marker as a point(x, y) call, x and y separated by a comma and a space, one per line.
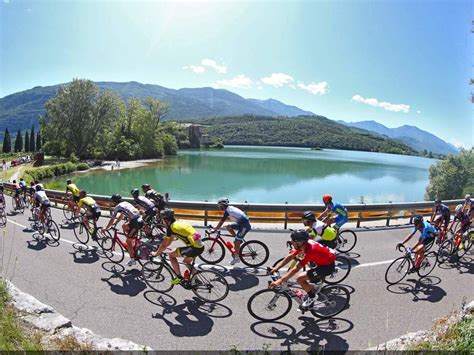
point(223, 201)
point(458, 209)
point(467, 197)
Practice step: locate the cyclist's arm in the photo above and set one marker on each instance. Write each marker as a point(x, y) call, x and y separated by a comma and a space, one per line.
point(221, 222)
point(285, 261)
point(164, 244)
point(324, 214)
point(114, 220)
point(408, 238)
point(287, 276)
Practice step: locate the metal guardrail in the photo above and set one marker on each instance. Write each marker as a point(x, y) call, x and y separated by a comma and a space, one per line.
point(277, 213)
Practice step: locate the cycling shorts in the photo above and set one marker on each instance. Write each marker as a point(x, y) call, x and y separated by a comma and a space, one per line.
point(443, 217)
point(76, 198)
point(427, 241)
point(315, 274)
point(94, 213)
point(44, 206)
point(190, 252)
point(17, 192)
point(340, 220)
point(242, 229)
point(149, 214)
point(136, 223)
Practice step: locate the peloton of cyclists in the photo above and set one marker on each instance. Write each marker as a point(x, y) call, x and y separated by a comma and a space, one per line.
point(341, 217)
point(319, 231)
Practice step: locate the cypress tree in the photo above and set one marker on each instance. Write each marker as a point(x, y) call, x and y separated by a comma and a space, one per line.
point(7, 142)
point(38, 141)
point(18, 142)
point(32, 139)
point(27, 142)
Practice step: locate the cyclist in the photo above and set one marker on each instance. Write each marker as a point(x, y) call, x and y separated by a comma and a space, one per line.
point(132, 225)
point(145, 205)
point(154, 196)
point(319, 231)
point(32, 191)
point(333, 207)
point(92, 212)
point(465, 221)
point(427, 236)
point(187, 234)
point(23, 187)
point(74, 190)
point(321, 255)
point(241, 223)
point(17, 189)
point(468, 206)
point(441, 213)
point(2, 198)
point(42, 201)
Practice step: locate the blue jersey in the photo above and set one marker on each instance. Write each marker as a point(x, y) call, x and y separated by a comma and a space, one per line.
point(339, 209)
point(428, 231)
point(443, 209)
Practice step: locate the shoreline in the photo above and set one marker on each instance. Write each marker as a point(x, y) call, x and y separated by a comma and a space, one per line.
point(130, 164)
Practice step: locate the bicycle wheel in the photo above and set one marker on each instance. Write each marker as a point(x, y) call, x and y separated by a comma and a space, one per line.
point(467, 241)
point(208, 285)
point(269, 305)
point(3, 217)
point(254, 253)
point(81, 233)
point(445, 251)
point(397, 270)
point(346, 241)
point(143, 251)
point(213, 251)
point(427, 264)
point(341, 271)
point(53, 230)
point(113, 250)
point(158, 229)
point(68, 214)
point(26, 202)
point(331, 301)
point(157, 276)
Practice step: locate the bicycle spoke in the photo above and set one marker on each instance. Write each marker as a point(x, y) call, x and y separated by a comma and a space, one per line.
point(209, 285)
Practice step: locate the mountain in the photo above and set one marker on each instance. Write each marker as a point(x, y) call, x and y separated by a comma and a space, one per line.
point(21, 110)
point(410, 135)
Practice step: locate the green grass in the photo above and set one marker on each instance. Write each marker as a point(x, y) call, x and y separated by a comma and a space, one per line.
point(12, 336)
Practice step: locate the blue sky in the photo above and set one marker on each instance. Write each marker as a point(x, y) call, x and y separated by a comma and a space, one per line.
point(396, 62)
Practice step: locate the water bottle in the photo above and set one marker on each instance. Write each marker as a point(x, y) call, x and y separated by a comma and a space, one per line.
point(229, 245)
point(186, 275)
point(299, 293)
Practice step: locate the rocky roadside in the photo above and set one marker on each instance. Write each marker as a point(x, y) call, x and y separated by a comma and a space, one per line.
point(54, 328)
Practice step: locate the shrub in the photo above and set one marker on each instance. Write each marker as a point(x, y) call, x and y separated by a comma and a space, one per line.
point(82, 166)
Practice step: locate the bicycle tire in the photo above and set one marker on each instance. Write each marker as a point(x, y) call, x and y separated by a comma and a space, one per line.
point(67, 212)
point(53, 230)
point(325, 303)
point(399, 266)
point(213, 251)
point(346, 237)
point(445, 251)
point(209, 286)
point(467, 241)
point(143, 252)
point(157, 276)
point(266, 301)
point(341, 271)
point(3, 217)
point(428, 264)
point(113, 250)
point(105, 239)
point(254, 253)
point(81, 233)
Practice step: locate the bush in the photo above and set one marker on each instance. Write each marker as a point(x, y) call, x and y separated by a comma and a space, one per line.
point(82, 166)
point(53, 170)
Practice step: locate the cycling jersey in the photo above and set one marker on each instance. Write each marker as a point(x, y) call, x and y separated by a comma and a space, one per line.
point(185, 233)
point(88, 202)
point(74, 189)
point(156, 197)
point(144, 203)
point(316, 253)
point(235, 214)
point(40, 196)
point(443, 209)
point(428, 231)
point(127, 209)
point(22, 185)
point(339, 209)
point(323, 230)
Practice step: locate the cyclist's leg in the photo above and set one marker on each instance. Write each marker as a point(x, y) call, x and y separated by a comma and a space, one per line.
point(242, 230)
point(130, 246)
point(420, 253)
point(340, 221)
point(174, 260)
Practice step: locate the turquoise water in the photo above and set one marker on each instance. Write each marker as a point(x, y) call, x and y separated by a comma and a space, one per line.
point(273, 175)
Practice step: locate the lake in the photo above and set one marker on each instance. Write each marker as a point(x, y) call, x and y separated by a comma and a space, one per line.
point(272, 175)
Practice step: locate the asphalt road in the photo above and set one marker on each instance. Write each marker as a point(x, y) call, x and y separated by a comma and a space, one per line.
point(83, 286)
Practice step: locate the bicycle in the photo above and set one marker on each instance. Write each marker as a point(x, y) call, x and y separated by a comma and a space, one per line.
point(82, 232)
point(116, 246)
point(3, 216)
point(441, 235)
point(346, 240)
point(448, 249)
point(25, 199)
point(207, 285)
point(273, 304)
point(253, 253)
point(47, 225)
point(18, 204)
point(403, 265)
point(340, 273)
point(68, 209)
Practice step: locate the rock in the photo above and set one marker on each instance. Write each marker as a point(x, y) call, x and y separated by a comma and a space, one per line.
point(48, 322)
point(25, 302)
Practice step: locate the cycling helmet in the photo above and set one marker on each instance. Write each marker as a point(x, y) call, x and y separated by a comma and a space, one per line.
point(327, 198)
point(83, 193)
point(14, 181)
point(167, 214)
point(135, 192)
point(437, 202)
point(38, 187)
point(68, 181)
point(299, 235)
point(458, 209)
point(32, 183)
point(116, 198)
point(223, 201)
point(145, 186)
point(309, 215)
point(467, 197)
point(418, 219)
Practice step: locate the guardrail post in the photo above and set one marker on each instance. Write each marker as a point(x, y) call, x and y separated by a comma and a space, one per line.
point(205, 215)
point(359, 216)
point(286, 216)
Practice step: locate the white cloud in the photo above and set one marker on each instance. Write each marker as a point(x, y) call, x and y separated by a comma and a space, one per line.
point(195, 68)
point(458, 144)
point(6, 1)
point(315, 88)
point(385, 105)
point(418, 111)
point(240, 81)
point(278, 80)
point(221, 69)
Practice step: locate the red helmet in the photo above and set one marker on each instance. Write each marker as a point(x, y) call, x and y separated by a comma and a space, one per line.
point(327, 198)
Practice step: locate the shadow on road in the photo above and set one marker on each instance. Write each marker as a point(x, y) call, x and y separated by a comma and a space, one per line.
point(40, 242)
point(316, 335)
point(242, 279)
point(84, 255)
point(129, 282)
point(425, 286)
point(464, 265)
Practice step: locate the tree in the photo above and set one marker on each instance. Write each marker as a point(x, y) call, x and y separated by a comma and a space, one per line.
point(7, 143)
point(32, 139)
point(76, 116)
point(18, 142)
point(27, 141)
point(452, 178)
point(38, 141)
